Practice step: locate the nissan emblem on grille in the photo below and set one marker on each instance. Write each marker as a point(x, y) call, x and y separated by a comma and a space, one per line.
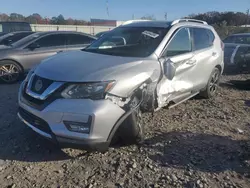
point(38, 85)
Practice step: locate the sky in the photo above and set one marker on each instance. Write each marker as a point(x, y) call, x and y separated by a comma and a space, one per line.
point(120, 9)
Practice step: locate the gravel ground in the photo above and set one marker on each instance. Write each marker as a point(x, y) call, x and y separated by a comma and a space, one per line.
point(200, 143)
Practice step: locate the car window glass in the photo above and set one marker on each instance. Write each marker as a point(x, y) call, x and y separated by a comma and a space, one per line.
point(129, 41)
point(201, 38)
point(229, 39)
point(75, 39)
point(15, 37)
point(1, 28)
point(52, 40)
point(242, 40)
point(180, 44)
point(211, 36)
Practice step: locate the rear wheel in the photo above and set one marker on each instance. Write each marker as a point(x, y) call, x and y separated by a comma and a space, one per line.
point(10, 72)
point(212, 85)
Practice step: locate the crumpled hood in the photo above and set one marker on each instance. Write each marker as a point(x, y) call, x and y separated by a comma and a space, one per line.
point(80, 66)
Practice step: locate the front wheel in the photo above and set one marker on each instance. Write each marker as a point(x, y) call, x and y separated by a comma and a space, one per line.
point(10, 72)
point(131, 130)
point(212, 85)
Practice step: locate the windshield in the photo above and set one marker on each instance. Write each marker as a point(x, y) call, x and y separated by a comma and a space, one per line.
point(241, 39)
point(129, 41)
point(25, 40)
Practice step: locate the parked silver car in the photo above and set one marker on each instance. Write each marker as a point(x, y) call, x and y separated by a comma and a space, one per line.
point(91, 98)
point(19, 57)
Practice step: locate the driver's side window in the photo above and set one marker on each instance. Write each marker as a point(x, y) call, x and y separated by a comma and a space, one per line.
point(180, 43)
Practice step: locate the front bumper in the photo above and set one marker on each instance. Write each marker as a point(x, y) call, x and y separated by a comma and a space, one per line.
point(49, 122)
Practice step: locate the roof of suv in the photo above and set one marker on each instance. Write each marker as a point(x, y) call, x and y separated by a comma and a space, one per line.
point(148, 24)
point(163, 24)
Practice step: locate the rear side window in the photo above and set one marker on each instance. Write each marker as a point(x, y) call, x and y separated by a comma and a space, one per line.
point(76, 39)
point(202, 38)
point(15, 37)
point(52, 40)
point(180, 44)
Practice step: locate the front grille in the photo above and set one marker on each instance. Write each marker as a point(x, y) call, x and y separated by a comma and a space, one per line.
point(41, 104)
point(35, 121)
point(43, 82)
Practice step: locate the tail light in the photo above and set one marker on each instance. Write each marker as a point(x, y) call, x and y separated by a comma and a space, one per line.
point(222, 45)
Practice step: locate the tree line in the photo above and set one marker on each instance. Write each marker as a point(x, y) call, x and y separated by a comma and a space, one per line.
point(225, 23)
point(38, 19)
point(230, 18)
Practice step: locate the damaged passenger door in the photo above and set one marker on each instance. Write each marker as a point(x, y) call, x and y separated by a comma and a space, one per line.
point(178, 64)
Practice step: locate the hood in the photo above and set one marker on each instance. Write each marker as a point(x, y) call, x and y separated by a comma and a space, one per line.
point(80, 66)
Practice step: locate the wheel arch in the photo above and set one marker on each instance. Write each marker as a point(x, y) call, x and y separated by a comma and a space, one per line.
point(219, 67)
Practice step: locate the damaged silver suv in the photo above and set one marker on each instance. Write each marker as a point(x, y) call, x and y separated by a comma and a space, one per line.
point(91, 97)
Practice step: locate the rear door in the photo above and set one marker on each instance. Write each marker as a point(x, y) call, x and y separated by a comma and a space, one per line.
point(78, 41)
point(48, 45)
point(207, 56)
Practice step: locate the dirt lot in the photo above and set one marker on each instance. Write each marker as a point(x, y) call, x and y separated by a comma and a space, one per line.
point(200, 143)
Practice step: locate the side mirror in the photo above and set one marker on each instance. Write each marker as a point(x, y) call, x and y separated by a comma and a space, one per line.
point(169, 69)
point(34, 46)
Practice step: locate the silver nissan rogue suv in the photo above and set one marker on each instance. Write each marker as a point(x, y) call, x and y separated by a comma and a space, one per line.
point(93, 97)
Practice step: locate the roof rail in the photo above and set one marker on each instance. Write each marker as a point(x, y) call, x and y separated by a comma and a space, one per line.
point(133, 21)
point(189, 20)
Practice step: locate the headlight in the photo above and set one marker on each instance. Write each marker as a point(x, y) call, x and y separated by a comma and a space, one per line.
point(93, 91)
point(29, 74)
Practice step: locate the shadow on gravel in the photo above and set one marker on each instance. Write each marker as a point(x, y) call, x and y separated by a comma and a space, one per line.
point(237, 84)
point(209, 153)
point(25, 145)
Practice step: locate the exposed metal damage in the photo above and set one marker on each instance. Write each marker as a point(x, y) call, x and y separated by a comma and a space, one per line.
point(167, 89)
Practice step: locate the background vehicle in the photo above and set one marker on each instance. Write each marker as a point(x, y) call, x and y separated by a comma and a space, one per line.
point(29, 51)
point(237, 52)
point(100, 92)
point(13, 37)
point(8, 27)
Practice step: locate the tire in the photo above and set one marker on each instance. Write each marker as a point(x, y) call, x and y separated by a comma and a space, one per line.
point(131, 131)
point(212, 85)
point(10, 71)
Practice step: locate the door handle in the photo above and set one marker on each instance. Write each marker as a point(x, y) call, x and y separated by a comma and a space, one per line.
point(59, 51)
point(214, 54)
point(191, 62)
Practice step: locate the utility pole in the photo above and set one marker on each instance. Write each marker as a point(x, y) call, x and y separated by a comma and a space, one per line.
point(247, 17)
point(166, 16)
point(107, 7)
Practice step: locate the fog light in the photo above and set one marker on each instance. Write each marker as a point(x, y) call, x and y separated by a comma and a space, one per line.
point(78, 126)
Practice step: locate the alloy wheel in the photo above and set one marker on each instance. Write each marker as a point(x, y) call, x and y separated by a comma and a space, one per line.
point(9, 72)
point(213, 86)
